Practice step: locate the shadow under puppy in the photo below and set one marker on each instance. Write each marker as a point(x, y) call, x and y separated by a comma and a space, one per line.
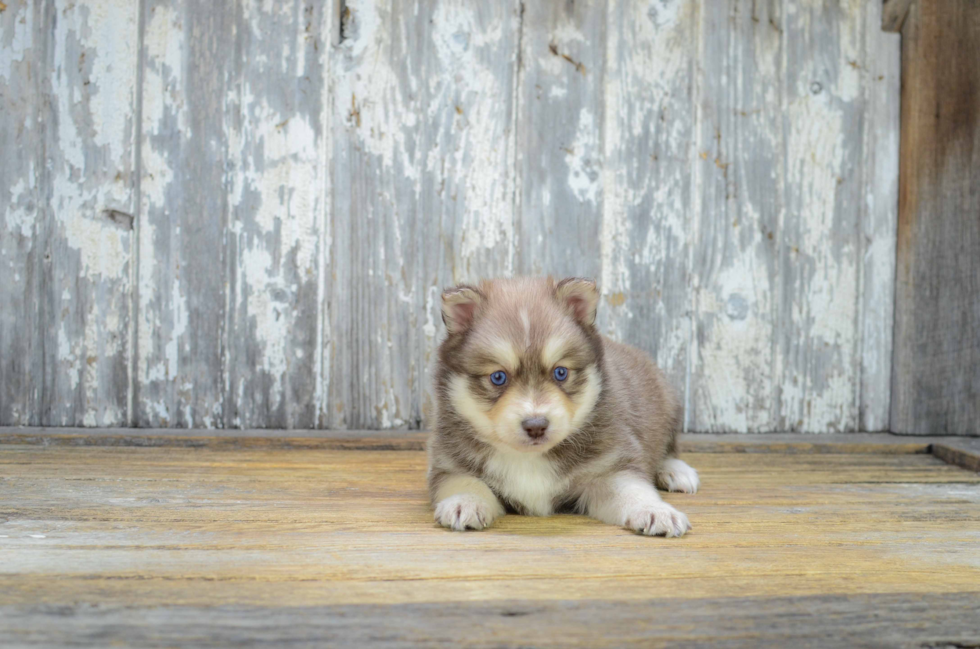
point(537, 412)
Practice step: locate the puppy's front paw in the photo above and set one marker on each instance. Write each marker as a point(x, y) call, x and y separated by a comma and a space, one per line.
point(659, 519)
point(465, 512)
point(678, 475)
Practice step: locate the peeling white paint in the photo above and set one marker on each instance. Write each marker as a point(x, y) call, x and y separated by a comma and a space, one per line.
point(584, 161)
point(16, 39)
point(21, 219)
point(444, 142)
point(88, 157)
point(103, 248)
point(477, 143)
point(165, 49)
point(367, 99)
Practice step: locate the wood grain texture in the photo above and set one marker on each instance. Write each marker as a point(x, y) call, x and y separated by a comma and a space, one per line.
point(302, 178)
point(735, 266)
point(176, 534)
point(879, 221)
point(378, 157)
point(468, 182)
point(22, 47)
point(839, 443)
point(818, 238)
point(422, 191)
point(278, 112)
point(893, 14)
point(91, 71)
point(959, 451)
point(69, 94)
point(963, 452)
point(560, 138)
point(184, 213)
point(789, 275)
point(647, 188)
point(902, 620)
point(936, 369)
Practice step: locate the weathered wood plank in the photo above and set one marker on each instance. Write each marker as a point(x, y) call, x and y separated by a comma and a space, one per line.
point(201, 527)
point(423, 191)
point(91, 72)
point(829, 620)
point(875, 443)
point(378, 161)
point(893, 14)
point(187, 72)
point(936, 367)
point(468, 181)
point(559, 138)
point(22, 211)
point(739, 167)
point(816, 357)
point(276, 235)
point(879, 218)
point(239, 439)
point(961, 451)
point(646, 181)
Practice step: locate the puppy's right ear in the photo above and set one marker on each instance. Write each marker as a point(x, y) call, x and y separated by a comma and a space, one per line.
point(580, 297)
point(459, 305)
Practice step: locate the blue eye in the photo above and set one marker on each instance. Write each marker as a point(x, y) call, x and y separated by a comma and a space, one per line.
point(498, 378)
point(561, 373)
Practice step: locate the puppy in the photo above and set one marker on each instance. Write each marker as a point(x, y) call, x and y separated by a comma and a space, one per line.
point(537, 413)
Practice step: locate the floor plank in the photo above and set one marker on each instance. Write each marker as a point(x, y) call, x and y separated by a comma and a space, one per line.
point(903, 620)
point(106, 531)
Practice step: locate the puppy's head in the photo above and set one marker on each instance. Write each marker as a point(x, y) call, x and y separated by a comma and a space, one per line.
point(521, 360)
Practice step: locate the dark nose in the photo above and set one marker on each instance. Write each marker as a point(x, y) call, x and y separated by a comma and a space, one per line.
point(535, 426)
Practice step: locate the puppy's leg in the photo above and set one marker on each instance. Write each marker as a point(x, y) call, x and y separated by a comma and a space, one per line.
point(630, 500)
point(464, 502)
point(677, 475)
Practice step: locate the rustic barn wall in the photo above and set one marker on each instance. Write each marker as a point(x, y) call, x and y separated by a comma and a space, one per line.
point(241, 213)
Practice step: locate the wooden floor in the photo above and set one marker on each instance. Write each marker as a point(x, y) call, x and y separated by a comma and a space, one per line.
point(254, 543)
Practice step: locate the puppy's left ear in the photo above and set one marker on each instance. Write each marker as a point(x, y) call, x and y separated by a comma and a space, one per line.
point(580, 297)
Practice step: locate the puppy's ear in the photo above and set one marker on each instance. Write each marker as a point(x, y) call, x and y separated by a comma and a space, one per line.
point(580, 297)
point(459, 306)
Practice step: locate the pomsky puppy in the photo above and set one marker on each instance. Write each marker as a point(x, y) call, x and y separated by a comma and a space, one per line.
point(537, 412)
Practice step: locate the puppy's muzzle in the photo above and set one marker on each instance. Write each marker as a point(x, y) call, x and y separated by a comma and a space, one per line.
point(535, 427)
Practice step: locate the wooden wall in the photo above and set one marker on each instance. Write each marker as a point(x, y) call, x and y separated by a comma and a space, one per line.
point(241, 213)
point(936, 374)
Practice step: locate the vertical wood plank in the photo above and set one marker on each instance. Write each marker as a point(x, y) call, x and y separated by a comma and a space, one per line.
point(467, 183)
point(735, 263)
point(21, 211)
point(879, 220)
point(423, 191)
point(188, 51)
point(276, 113)
point(936, 364)
point(559, 138)
point(90, 191)
point(647, 139)
point(816, 354)
point(378, 159)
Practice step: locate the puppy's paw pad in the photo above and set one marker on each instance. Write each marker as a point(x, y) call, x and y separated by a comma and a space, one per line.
point(464, 512)
point(658, 520)
point(677, 475)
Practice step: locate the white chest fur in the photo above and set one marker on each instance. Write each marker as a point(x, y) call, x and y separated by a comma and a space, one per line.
point(527, 479)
